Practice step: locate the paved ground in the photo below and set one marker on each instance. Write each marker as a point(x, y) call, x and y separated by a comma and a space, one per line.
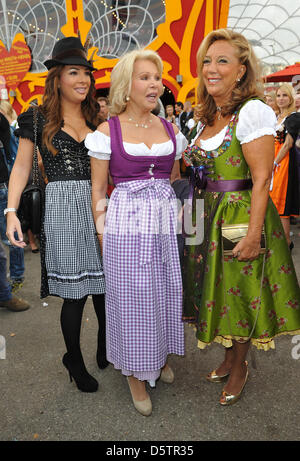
point(39, 403)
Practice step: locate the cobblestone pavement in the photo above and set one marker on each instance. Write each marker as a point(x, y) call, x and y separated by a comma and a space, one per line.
point(38, 403)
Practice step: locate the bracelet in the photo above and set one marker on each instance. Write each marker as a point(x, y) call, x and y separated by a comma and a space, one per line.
point(9, 209)
point(98, 233)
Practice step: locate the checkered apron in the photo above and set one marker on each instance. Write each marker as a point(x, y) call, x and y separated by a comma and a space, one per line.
point(72, 253)
point(143, 277)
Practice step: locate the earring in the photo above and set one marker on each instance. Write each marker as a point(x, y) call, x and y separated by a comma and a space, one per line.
point(127, 98)
point(238, 79)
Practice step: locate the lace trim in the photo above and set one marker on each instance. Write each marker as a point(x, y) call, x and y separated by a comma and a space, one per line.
point(260, 344)
point(258, 134)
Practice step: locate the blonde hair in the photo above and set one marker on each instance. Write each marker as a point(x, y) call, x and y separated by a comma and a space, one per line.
point(7, 109)
point(271, 94)
point(250, 85)
point(290, 92)
point(121, 77)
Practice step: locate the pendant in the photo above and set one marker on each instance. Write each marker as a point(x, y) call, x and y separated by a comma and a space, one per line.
point(219, 109)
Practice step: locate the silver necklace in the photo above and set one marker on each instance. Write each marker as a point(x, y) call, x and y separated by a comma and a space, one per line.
point(142, 125)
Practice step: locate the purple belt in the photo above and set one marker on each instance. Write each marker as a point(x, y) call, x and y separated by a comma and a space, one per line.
point(229, 185)
point(200, 180)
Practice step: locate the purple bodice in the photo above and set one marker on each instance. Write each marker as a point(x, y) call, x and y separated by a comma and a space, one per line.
point(124, 167)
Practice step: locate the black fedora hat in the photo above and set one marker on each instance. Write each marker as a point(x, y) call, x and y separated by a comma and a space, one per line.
point(68, 51)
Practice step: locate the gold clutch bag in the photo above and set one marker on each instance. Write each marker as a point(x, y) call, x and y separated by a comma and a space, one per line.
point(233, 233)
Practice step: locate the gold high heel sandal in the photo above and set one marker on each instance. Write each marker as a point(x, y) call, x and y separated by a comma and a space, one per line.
point(212, 377)
point(144, 407)
point(230, 399)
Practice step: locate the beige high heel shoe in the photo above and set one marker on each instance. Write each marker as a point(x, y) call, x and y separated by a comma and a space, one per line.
point(167, 375)
point(144, 407)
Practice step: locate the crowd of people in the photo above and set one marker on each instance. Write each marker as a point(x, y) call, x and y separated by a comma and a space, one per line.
point(285, 186)
point(123, 249)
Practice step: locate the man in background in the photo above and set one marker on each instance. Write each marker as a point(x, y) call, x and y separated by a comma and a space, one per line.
point(104, 110)
point(179, 113)
point(7, 299)
point(16, 255)
point(186, 116)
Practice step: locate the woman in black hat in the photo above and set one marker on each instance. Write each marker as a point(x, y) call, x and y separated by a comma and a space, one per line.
point(70, 254)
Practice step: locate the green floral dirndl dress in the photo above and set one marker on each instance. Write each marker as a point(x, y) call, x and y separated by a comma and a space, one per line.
point(224, 298)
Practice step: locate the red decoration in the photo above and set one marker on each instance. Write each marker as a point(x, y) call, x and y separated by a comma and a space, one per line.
point(14, 64)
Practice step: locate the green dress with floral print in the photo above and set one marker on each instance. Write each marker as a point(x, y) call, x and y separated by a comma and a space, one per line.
point(227, 299)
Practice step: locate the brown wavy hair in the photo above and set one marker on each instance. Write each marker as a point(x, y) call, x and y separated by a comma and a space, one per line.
point(250, 85)
point(51, 107)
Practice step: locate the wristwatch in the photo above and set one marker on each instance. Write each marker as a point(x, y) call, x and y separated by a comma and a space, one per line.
point(9, 209)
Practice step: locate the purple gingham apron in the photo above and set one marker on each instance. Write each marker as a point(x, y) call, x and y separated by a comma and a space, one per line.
point(142, 273)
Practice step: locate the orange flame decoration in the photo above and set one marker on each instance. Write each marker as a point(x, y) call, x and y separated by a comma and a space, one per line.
point(178, 38)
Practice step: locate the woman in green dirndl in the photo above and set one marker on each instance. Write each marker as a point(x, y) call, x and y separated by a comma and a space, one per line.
point(240, 285)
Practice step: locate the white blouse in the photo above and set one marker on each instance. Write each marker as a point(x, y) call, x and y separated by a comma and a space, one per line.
point(99, 147)
point(256, 119)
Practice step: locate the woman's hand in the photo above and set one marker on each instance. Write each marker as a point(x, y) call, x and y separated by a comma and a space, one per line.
point(247, 249)
point(13, 225)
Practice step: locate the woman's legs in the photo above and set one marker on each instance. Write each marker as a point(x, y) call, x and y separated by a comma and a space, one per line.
point(238, 368)
point(71, 317)
point(99, 306)
point(226, 365)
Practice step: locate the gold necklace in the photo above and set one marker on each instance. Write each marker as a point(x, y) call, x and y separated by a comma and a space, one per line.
point(142, 125)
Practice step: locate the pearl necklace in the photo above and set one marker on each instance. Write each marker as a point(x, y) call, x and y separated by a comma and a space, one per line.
point(142, 125)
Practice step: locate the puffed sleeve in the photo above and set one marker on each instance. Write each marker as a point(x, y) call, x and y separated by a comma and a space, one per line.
point(25, 125)
point(181, 144)
point(98, 145)
point(256, 119)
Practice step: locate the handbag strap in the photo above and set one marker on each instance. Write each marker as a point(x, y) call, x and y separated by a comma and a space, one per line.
point(260, 295)
point(35, 163)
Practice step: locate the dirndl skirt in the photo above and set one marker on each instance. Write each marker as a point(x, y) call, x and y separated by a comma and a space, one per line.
point(71, 257)
point(143, 278)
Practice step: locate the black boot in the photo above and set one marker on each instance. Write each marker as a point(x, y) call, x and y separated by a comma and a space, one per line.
point(99, 306)
point(84, 381)
point(71, 317)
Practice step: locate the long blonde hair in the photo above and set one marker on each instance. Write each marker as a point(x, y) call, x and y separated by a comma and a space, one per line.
point(250, 85)
point(121, 78)
point(290, 92)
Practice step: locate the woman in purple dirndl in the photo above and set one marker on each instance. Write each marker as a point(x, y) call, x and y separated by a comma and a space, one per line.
point(140, 253)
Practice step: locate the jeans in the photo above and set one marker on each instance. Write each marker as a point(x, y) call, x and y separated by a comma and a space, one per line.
point(16, 255)
point(5, 289)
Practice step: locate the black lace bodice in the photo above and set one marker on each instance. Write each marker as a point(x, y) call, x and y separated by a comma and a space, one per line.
point(72, 161)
